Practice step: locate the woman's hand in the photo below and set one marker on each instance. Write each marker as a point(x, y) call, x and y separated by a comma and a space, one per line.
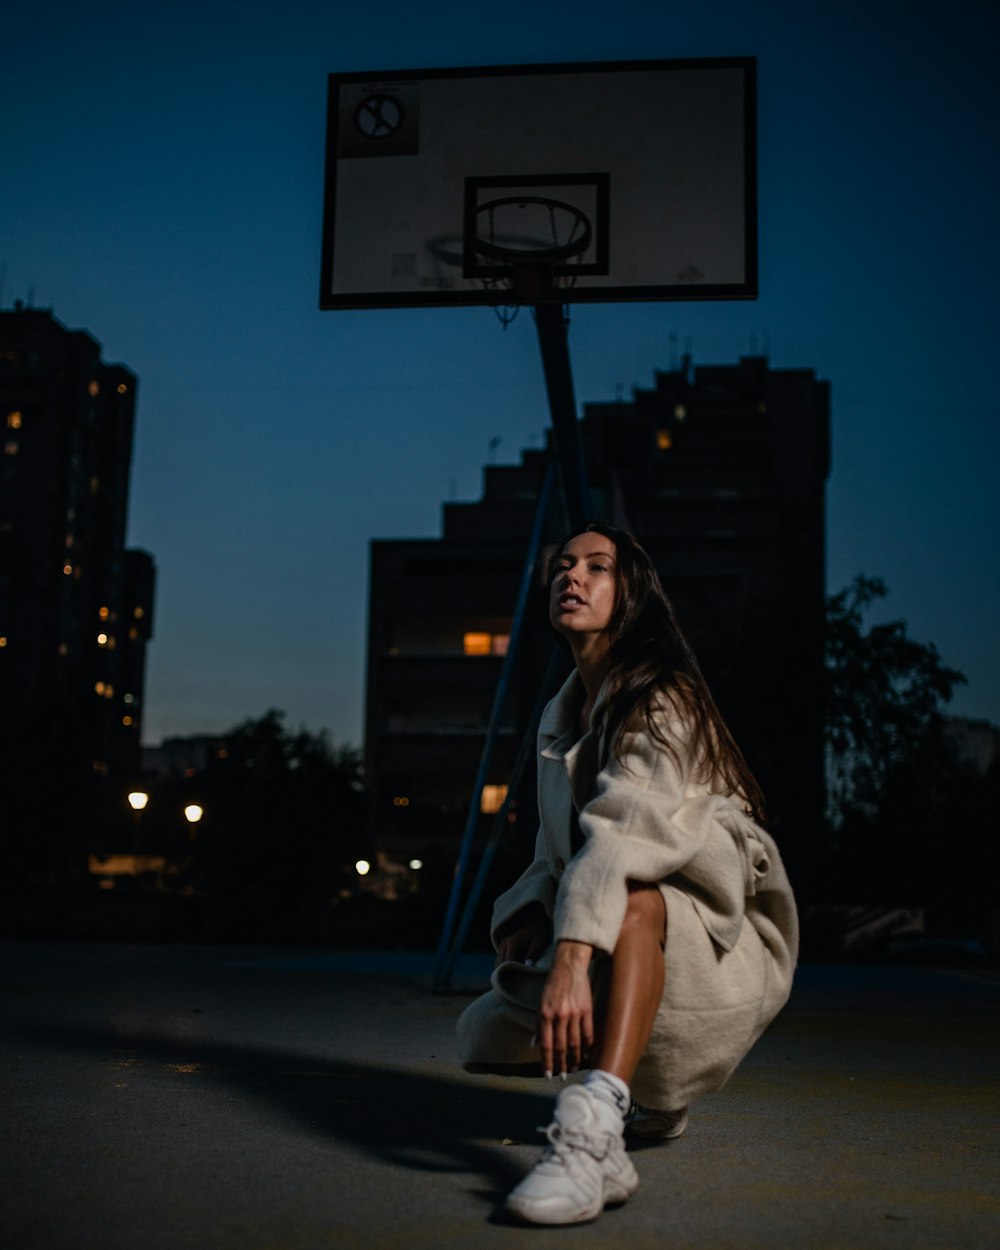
point(566, 1013)
point(525, 943)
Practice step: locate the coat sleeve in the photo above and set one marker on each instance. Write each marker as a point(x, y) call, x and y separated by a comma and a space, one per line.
point(535, 885)
point(637, 827)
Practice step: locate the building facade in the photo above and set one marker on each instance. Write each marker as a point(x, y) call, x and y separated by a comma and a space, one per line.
point(720, 472)
point(76, 607)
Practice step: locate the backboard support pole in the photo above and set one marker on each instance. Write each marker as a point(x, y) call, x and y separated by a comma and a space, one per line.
point(553, 342)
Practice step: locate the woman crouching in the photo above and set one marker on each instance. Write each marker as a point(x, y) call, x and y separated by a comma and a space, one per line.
point(654, 935)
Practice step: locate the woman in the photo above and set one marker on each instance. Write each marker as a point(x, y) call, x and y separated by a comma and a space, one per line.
point(654, 935)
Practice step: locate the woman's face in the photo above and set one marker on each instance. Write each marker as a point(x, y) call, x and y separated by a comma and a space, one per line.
point(582, 594)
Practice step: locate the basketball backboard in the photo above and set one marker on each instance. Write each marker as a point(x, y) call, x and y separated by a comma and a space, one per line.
point(639, 177)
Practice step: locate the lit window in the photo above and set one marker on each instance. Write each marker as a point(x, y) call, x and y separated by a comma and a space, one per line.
point(63, 649)
point(499, 644)
point(10, 448)
point(138, 614)
point(492, 799)
point(401, 801)
point(69, 540)
point(126, 720)
point(95, 485)
point(122, 388)
point(130, 698)
point(680, 412)
point(133, 633)
point(3, 640)
point(14, 420)
point(99, 687)
point(68, 569)
point(102, 640)
point(476, 644)
point(663, 440)
point(109, 690)
point(103, 613)
point(94, 389)
point(100, 766)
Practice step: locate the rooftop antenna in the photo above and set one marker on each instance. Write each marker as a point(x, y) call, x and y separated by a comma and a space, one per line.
point(495, 442)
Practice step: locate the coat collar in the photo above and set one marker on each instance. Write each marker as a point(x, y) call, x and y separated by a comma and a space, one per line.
point(558, 736)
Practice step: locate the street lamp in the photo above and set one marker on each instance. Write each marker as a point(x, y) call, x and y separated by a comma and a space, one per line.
point(193, 813)
point(137, 800)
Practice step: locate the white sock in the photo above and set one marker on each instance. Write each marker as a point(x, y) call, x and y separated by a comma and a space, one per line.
point(610, 1089)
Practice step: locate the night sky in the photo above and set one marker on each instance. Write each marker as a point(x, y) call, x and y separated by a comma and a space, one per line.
point(162, 173)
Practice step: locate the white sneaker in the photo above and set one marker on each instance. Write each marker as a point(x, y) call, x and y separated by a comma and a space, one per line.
point(657, 1125)
point(584, 1168)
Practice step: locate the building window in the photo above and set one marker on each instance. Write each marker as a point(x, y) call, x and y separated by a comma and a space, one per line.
point(663, 440)
point(10, 447)
point(138, 614)
point(68, 570)
point(104, 613)
point(3, 640)
point(680, 412)
point(14, 420)
point(492, 799)
point(477, 643)
point(126, 720)
point(94, 389)
point(122, 388)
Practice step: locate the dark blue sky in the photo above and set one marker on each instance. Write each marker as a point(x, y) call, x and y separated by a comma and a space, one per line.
point(162, 186)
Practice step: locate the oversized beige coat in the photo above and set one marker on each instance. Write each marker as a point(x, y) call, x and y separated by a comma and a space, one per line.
point(732, 931)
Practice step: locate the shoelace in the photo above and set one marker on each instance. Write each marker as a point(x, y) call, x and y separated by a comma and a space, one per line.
point(564, 1140)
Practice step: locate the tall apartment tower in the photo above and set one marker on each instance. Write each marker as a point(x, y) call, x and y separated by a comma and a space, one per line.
point(720, 472)
point(76, 607)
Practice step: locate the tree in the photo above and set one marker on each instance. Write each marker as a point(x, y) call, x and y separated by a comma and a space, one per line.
point(284, 818)
point(885, 698)
point(898, 794)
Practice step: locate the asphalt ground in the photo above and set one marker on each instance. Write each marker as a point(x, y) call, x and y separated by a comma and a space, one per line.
point(237, 1098)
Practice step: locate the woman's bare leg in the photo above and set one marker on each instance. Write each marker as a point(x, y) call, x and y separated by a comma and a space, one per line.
point(636, 986)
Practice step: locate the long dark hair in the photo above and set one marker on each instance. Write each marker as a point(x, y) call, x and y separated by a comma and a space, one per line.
point(651, 660)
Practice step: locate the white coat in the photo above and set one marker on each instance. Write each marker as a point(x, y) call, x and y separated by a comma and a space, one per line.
point(732, 930)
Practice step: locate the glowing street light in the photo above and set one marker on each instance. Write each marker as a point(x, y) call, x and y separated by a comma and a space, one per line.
point(193, 813)
point(362, 867)
point(137, 800)
point(416, 864)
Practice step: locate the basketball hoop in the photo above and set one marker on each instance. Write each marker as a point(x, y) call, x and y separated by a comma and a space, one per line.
point(536, 244)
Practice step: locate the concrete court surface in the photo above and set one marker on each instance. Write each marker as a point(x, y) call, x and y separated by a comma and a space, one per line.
point(237, 1098)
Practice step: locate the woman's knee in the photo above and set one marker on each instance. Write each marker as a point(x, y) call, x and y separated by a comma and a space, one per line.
point(646, 909)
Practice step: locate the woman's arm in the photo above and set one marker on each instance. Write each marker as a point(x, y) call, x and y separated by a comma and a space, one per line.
point(639, 826)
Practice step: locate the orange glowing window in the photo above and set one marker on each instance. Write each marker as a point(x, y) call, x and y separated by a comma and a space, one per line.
point(94, 389)
point(14, 420)
point(122, 388)
point(492, 799)
point(499, 644)
point(103, 613)
point(477, 644)
point(10, 447)
point(663, 440)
